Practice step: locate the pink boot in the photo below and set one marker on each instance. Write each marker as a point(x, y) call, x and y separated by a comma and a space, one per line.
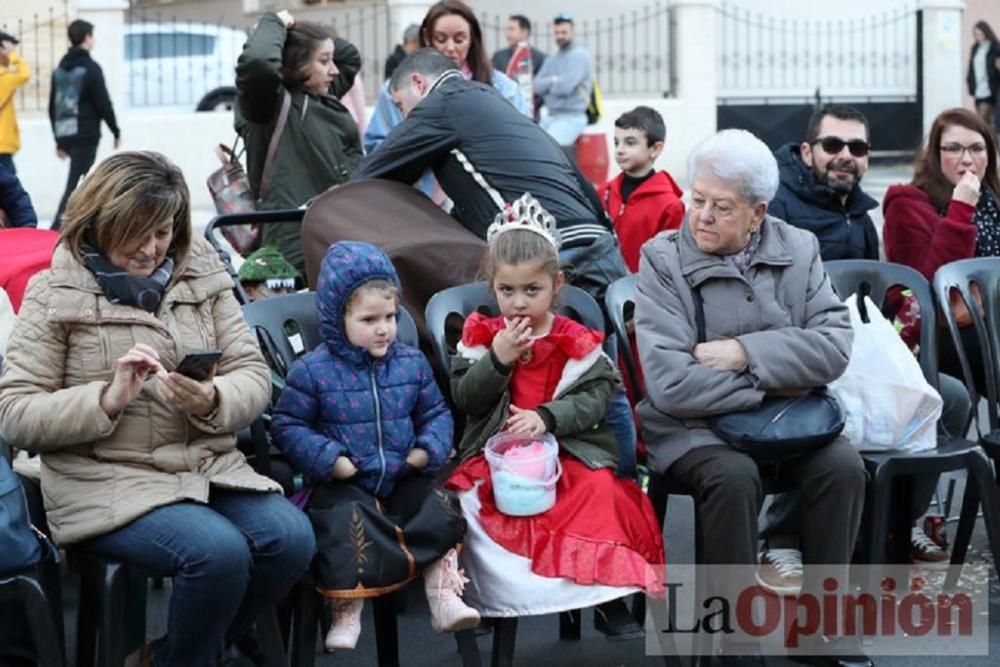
point(346, 626)
point(443, 583)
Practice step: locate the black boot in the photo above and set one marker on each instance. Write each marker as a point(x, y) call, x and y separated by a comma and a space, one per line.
point(616, 622)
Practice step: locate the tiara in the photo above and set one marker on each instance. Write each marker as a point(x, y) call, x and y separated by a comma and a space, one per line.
point(524, 213)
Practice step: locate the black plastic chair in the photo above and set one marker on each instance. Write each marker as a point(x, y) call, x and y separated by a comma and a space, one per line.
point(957, 277)
point(37, 590)
point(619, 300)
point(889, 514)
point(463, 300)
point(460, 302)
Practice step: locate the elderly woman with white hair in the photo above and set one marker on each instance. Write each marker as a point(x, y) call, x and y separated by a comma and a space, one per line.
point(772, 326)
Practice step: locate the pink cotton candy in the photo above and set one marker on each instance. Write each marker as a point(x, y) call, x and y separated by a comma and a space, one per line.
point(527, 460)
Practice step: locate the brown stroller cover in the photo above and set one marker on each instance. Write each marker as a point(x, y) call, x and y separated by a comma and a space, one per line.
point(430, 250)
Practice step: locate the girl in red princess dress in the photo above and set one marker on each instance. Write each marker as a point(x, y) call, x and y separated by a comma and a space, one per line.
point(530, 371)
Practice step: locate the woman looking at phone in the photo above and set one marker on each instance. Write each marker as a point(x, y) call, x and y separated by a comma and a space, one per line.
point(139, 462)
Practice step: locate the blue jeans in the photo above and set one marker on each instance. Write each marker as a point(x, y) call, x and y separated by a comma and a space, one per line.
point(565, 128)
point(230, 560)
point(7, 162)
point(619, 419)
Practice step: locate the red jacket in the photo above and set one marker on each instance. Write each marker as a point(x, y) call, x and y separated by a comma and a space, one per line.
point(916, 235)
point(653, 207)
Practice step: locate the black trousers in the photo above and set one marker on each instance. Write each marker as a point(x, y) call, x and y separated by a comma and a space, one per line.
point(830, 483)
point(81, 159)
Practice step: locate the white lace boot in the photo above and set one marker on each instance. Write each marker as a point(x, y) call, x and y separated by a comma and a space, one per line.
point(346, 626)
point(444, 583)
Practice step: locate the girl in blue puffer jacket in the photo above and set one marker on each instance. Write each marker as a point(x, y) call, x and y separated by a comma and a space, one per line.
point(363, 419)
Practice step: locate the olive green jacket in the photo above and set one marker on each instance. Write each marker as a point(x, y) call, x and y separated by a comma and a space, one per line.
point(480, 387)
point(319, 147)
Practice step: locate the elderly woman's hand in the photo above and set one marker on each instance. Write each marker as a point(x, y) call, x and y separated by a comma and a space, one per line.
point(131, 371)
point(722, 355)
point(191, 396)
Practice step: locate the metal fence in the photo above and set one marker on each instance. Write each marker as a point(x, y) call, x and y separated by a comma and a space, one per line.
point(41, 33)
point(171, 61)
point(762, 56)
point(631, 52)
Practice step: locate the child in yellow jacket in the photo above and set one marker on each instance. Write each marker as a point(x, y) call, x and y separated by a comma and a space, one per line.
point(14, 73)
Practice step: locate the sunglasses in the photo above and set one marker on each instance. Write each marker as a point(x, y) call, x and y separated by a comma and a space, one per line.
point(833, 145)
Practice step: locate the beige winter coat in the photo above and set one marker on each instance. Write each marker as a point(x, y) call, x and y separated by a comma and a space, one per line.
point(99, 474)
point(796, 333)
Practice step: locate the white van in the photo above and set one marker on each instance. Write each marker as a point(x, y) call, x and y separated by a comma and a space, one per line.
point(182, 64)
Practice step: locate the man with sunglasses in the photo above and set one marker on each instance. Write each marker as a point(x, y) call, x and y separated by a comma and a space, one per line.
point(819, 191)
point(820, 184)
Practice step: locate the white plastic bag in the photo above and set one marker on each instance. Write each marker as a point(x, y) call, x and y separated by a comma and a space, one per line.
point(888, 403)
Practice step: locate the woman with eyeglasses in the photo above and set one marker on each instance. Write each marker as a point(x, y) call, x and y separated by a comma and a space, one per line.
point(947, 212)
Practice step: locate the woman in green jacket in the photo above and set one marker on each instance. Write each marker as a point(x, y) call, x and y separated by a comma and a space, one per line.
point(319, 145)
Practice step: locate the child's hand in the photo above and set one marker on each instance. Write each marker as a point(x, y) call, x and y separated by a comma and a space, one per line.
point(525, 422)
point(513, 341)
point(343, 468)
point(417, 458)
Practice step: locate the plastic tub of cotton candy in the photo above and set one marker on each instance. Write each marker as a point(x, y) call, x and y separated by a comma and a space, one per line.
point(525, 470)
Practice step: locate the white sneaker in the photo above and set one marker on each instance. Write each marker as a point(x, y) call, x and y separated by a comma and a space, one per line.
point(780, 571)
point(927, 553)
point(346, 626)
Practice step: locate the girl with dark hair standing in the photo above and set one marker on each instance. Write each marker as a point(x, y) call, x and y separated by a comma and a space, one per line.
point(319, 145)
point(983, 77)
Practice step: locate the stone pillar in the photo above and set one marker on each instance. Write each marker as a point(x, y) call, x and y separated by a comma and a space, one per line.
point(108, 17)
point(695, 52)
point(401, 14)
point(943, 57)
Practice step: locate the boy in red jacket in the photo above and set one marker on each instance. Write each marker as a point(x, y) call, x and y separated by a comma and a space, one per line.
point(641, 201)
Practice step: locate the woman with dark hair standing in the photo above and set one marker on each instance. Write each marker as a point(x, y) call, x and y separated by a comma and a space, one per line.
point(983, 77)
point(319, 145)
point(451, 28)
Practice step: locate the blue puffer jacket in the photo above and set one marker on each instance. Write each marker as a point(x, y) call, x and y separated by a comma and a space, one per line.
point(340, 401)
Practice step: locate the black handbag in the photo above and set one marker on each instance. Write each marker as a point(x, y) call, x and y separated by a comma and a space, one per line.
point(782, 427)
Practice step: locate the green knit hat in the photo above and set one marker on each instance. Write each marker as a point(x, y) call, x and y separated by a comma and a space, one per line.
point(268, 266)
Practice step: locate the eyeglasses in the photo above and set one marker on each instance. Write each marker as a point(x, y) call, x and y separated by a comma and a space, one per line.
point(833, 145)
point(976, 150)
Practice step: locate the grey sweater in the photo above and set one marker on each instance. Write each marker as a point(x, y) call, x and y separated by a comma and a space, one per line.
point(564, 80)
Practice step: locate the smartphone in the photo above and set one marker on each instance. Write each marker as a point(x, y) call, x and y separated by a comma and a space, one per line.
point(198, 365)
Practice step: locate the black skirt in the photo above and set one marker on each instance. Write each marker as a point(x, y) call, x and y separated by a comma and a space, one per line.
point(368, 547)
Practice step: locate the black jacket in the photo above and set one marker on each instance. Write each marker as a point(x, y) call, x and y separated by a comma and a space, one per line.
point(79, 100)
point(992, 73)
point(484, 153)
point(844, 230)
point(15, 202)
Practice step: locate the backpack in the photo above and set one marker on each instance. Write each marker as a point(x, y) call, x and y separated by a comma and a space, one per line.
point(21, 545)
point(595, 104)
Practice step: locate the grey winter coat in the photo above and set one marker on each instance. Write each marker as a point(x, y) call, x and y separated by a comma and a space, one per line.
point(796, 332)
